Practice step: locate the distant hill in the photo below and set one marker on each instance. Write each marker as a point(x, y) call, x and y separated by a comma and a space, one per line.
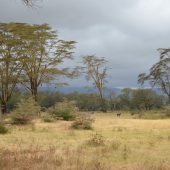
point(68, 89)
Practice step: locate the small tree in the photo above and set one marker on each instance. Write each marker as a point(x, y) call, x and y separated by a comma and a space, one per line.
point(96, 70)
point(26, 110)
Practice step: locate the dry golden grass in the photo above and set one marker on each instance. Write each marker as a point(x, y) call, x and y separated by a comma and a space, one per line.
point(129, 144)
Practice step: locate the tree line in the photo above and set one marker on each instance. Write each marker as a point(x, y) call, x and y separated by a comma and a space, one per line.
point(32, 55)
point(127, 99)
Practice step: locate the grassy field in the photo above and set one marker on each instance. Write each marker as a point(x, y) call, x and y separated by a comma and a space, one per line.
point(122, 144)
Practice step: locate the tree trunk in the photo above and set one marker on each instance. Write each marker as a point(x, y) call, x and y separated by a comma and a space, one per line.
point(4, 108)
point(103, 101)
point(103, 105)
point(34, 91)
point(168, 99)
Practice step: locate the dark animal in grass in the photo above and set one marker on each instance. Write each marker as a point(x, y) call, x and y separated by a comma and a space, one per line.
point(119, 114)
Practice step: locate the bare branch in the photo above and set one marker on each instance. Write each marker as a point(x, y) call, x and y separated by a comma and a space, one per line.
point(30, 3)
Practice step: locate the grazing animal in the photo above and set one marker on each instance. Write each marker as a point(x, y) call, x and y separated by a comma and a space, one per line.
point(119, 114)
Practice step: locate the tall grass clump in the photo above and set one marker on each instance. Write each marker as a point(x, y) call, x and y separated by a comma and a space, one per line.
point(25, 112)
point(97, 139)
point(83, 121)
point(3, 129)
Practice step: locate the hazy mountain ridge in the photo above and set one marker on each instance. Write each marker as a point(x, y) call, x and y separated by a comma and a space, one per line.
point(67, 90)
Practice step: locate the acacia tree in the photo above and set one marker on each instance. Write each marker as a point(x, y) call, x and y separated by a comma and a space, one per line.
point(30, 55)
point(159, 74)
point(96, 70)
point(10, 62)
point(44, 51)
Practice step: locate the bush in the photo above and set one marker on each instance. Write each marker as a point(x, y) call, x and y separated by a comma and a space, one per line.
point(47, 118)
point(64, 110)
point(25, 112)
point(83, 121)
point(3, 129)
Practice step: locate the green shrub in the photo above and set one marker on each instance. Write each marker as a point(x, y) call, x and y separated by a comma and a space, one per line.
point(3, 129)
point(64, 110)
point(25, 112)
point(83, 121)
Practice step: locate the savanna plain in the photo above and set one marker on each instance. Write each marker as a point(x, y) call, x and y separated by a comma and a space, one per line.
point(114, 143)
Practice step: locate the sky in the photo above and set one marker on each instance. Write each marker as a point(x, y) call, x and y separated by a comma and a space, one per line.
point(127, 33)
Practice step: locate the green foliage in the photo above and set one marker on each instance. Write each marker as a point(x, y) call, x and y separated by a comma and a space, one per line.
point(83, 121)
point(3, 130)
point(85, 102)
point(136, 99)
point(146, 99)
point(25, 112)
point(49, 99)
point(15, 98)
point(126, 98)
point(65, 110)
point(114, 101)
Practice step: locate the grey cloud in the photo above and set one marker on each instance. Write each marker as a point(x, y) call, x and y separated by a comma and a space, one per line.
point(126, 32)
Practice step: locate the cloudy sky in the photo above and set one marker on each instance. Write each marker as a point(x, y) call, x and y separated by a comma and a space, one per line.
point(126, 32)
